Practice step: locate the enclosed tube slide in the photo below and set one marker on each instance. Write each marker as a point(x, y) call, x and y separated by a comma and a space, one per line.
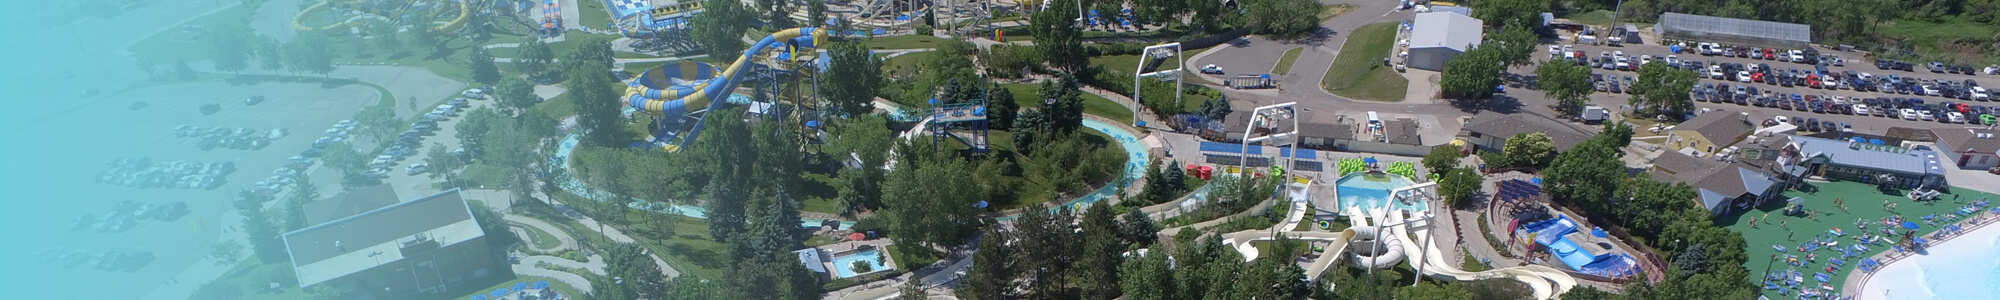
point(653, 93)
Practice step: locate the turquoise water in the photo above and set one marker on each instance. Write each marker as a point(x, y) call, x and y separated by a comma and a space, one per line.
point(1966, 267)
point(1368, 192)
point(1135, 165)
point(844, 265)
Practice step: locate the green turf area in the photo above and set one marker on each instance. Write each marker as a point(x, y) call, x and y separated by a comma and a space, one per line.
point(908, 63)
point(1285, 62)
point(1358, 71)
point(1928, 37)
point(689, 248)
point(902, 42)
point(1863, 202)
point(1333, 11)
point(1025, 96)
point(821, 193)
point(594, 14)
point(1128, 63)
point(542, 239)
point(170, 46)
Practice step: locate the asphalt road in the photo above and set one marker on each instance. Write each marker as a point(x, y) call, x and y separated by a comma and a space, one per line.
point(1256, 55)
point(1533, 100)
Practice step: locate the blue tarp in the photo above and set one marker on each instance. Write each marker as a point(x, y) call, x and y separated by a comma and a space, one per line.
point(1229, 148)
point(1303, 154)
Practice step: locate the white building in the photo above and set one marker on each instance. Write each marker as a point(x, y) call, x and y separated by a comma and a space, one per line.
point(1436, 37)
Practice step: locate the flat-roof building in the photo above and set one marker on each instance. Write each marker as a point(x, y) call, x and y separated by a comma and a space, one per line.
point(1436, 37)
point(1733, 31)
point(421, 246)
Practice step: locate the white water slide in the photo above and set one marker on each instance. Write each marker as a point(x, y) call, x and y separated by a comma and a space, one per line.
point(1437, 265)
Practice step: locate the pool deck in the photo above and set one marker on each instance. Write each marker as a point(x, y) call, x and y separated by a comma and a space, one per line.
point(1890, 258)
point(1863, 201)
point(837, 249)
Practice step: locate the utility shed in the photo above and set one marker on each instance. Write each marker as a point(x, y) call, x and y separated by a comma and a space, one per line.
point(1439, 36)
point(1732, 31)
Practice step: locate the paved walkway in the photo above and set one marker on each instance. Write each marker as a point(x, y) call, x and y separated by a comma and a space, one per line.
point(561, 236)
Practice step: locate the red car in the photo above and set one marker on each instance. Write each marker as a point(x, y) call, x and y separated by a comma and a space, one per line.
point(1770, 53)
point(1758, 77)
point(1813, 80)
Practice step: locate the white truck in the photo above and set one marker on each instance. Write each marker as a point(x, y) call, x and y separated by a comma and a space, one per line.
point(1594, 114)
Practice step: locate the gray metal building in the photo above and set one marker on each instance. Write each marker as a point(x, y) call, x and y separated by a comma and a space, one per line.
point(1436, 37)
point(1732, 31)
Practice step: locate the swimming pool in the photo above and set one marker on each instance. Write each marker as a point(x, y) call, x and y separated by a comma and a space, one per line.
point(1372, 191)
point(844, 265)
point(1967, 267)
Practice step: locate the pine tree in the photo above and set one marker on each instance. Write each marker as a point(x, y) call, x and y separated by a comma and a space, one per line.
point(1103, 248)
point(1140, 231)
point(993, 268)
point(1000, 107)
point(484, 70)
point(295, 205)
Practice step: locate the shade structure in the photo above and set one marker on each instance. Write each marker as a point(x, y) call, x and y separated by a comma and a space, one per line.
point(981, 204)
point(856, 236)
point(541, 285)
point(499, 293)
point(1368, 160)
point(1598, 232)
point(520, 286)
point(1537, 180)
point(1911, 225)
point(479, 297)
point(1919, 241)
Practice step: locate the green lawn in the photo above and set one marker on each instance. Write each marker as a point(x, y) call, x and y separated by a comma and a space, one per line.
point(821, 195)
point(1930, 37)
point(542, 239)
point(1358, 71)
point(594, 14)
point(1025, 96)
point(902, 42)
point(689, 249)
point(1128, 63)
point(174, 45)
point(1285, 62)
point(908, 63)
point(1864, 202)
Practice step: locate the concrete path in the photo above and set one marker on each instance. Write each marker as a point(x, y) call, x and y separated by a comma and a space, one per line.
point(595, 266)
point(581, 284)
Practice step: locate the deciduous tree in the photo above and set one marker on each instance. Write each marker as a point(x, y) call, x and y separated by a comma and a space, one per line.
point(590, 89)
point(484, 70)
point(719, 28)
point(1459, 184)
point(853, 91)
point(1584, 175)
point(1473, 75)
point(1530, 150)
point(1442, 158)
point(1662, 89)
point(514, 95)
point(534, 58)
point(1568, 83)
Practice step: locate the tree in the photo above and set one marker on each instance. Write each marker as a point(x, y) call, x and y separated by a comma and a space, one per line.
point(182, 70)
point(1473, 75)
point(1000, 107)
point(225, 252)
point(310, 52)
point(1063, 100)
point(1588, 293)
point(1618, 134)
point(535, 57)
point(1584, 174)
point(1148, 277)
point(1529, 150)
point(1140, 231)
point(727, 144)
point(719, 28)
point(1516, 43)
point(863, 138)
point(1058, 38)
point(1030, 127)
point(484, 70)
point(596, 104)
point(1568, 84)
point(1103, 253)
point(992, 275)
point(1503, 13)
point(421, 34)
point(1284, 19)
point(593, 51)
point(1663, 89)
point(385, 37)
point(342, 156)
point(1047, 249)
point(1442, 159)
point(1459, 184)
point(232, 48)
point(924, 202)
point(264, 234)
point(853, 91)
point(146, 64)
point(912, 289)
point(951, 62)
point(304, 191)
point(441, 162)
point(1433, 291)
point(816, 13)
point(270, 56)
point(514, 95)
point(378, 121)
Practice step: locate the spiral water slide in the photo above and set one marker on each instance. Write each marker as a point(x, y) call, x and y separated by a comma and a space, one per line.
point(1547, 282)
point(298, 21)
point(652, 93)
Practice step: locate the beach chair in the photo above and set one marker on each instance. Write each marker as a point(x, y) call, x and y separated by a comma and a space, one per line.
point(1780, 248)
point(1823, 277)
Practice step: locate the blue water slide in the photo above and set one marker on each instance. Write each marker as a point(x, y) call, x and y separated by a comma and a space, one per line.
point(655, 93)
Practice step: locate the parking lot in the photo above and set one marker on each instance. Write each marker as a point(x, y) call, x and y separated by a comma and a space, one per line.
point(1854, 62)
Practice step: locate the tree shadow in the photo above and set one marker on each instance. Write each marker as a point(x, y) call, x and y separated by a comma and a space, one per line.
point(703, 257)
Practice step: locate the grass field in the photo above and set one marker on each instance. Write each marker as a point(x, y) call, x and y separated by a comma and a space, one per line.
point(542, 239)
point(902, 42)
point(1285, 62)
point(1127, 63)
point(1955, 41)
point(689, 249)
point(906, 64)
point(1025, 95)
point(594, 14)
point(1332, 11)
point(169, 46)
point(1358, 71)
point(1863, 201)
